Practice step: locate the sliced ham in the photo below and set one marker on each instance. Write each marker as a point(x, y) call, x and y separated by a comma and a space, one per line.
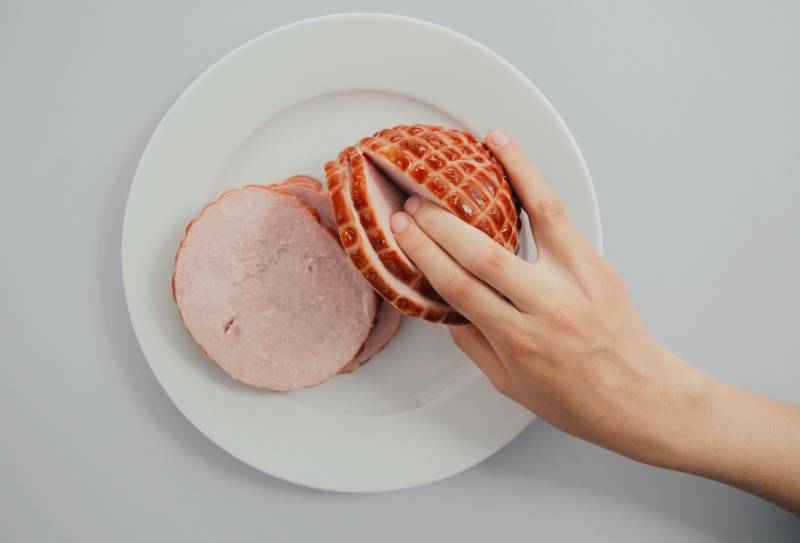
point(386, 328)
point(265, 292)
point(383, 266)
point(310, 192)
point(370, 181)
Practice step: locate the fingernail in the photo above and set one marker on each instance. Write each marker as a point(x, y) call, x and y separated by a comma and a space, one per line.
point(498, 138)
point(399, 222)
point(412, 204)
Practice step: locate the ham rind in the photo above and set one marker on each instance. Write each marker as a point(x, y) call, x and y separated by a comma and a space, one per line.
point(386, 328)
point(303, 180)
point(452, 168)
point(449, 167)
point(359, 243)
point(264, 291)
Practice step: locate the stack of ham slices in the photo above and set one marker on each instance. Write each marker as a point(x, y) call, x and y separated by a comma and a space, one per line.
point(271, 294)
point(264, 287)
point(371, 180)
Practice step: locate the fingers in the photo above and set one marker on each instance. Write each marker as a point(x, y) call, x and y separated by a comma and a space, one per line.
point(473, 343)
point(473, 249)
point(551, 230)
point(469, 296)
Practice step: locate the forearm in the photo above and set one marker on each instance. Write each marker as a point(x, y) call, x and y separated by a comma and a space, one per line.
point(743, 440)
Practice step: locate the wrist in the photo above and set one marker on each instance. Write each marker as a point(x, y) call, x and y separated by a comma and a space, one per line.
point(743, 440)
point(702, 438)
point(690, 433)
point(682, 403)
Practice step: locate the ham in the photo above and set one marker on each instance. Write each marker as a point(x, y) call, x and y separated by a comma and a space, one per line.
point(266, 293)
point(386, 328)
point(309, 191)
point(371, 180)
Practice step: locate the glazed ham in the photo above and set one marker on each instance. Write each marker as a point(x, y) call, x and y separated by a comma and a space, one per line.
point(267, 293)
point(371, 180)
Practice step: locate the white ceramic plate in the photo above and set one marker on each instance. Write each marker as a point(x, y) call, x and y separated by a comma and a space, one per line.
point(283, 104)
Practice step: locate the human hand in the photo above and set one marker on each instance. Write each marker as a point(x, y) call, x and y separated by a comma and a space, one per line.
point(560, 336)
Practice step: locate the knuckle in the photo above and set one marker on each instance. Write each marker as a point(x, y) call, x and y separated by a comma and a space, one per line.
point(505, 324)
point(492, 262)
point(413, 243)
point(552, 210)
point(564, 318)
point(427, 217)
point(456, 288)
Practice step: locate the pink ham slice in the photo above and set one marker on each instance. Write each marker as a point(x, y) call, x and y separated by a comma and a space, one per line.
point(265, 292)
point(386, 328)
point(370, 181)
point(310, 192)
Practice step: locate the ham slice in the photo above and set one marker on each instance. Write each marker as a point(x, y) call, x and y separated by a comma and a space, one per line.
point(266, 293)
point(386, 328)
point(371, 180)
point(310, 192)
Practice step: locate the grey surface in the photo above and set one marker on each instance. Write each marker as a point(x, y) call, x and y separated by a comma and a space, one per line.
point(687, 115)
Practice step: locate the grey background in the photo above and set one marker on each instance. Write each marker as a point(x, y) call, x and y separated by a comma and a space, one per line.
point(687, 115)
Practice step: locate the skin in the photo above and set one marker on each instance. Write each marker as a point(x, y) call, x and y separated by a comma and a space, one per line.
point(561, 337)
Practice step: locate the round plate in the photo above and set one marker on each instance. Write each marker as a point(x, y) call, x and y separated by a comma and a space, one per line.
point(281, 105)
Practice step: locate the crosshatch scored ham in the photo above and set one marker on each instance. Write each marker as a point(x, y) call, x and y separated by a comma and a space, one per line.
point(371, 180)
